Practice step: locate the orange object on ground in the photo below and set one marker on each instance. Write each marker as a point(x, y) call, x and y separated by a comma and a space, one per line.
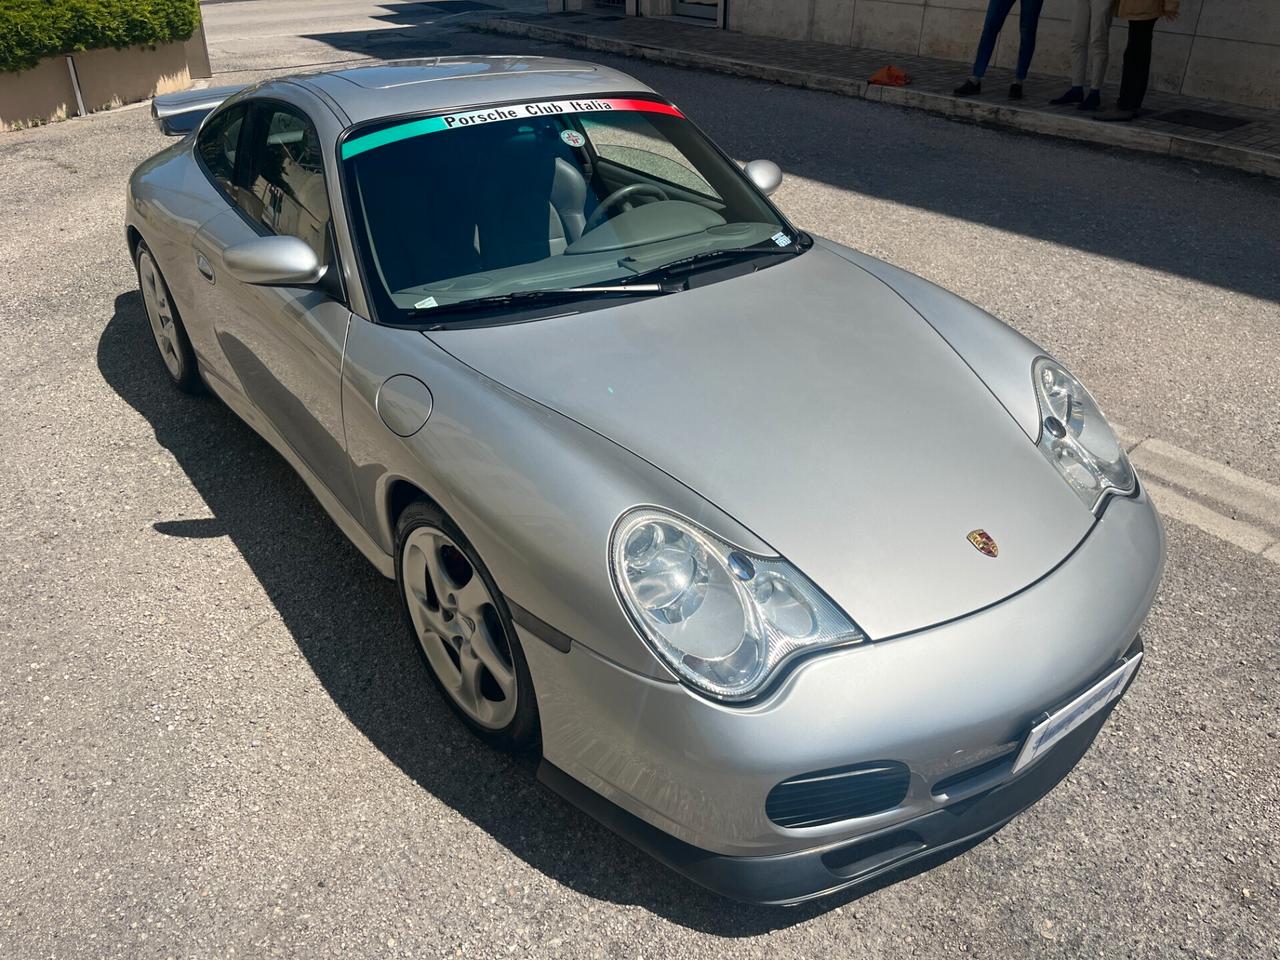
point(891, 77)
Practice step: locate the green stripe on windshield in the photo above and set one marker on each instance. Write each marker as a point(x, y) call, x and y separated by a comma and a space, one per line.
point(381, 138)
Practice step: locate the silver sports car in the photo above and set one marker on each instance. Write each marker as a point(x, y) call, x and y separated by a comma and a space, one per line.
point(794, 567)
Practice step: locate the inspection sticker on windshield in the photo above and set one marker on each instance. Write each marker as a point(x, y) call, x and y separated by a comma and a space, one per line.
point(512, 111)
point(1045, 734)
point(426, 304)
point(573, 138)
point(781, 239)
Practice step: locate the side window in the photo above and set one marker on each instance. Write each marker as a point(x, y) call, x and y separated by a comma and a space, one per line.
point(217, 144)
point(631, 142)
point(286, 190)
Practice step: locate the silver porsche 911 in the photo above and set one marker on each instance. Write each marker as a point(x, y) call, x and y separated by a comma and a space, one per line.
point(794, 567)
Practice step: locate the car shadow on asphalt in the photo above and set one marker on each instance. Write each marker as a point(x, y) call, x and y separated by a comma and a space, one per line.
point(343, 616)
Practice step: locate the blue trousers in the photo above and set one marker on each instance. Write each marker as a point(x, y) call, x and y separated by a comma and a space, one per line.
point(997, 13)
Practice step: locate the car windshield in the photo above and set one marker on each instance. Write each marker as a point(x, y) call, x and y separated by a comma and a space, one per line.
point(521, 200)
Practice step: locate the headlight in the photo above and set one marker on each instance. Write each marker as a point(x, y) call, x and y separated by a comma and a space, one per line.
point(722, 619)
point(1076, 438)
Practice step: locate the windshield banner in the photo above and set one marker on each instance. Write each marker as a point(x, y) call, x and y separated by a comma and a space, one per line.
point(513, 111)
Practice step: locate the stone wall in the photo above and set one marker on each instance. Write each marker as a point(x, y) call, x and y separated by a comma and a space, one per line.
point(1218, 49)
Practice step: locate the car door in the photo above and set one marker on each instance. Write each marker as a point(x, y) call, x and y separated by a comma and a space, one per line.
point(216, 154)
point(282, 345)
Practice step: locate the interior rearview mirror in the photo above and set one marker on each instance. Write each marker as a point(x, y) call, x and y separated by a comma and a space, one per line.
point(765, 174)
point(278, 261)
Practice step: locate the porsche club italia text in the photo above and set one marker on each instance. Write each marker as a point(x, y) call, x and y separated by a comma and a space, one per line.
point(544, 109)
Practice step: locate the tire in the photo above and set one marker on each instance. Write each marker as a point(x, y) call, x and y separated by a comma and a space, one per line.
point(459, 623)
point(167, 331)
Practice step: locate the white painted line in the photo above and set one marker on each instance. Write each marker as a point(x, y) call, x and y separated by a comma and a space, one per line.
point(1243, 535)
point(1208, 479)
point(1156, 459)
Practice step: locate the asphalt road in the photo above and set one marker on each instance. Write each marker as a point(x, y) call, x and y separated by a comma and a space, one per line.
point(217, 740)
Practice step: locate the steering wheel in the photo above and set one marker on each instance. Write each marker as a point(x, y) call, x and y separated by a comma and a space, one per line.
point(622, 195)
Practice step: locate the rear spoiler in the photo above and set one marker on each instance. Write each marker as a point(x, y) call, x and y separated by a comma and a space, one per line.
point(177, 114)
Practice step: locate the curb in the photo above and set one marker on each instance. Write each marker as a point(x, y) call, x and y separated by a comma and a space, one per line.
point(976, 111)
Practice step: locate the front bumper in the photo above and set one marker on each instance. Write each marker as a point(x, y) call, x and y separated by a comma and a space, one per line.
point(807, 874)
point(946, 701)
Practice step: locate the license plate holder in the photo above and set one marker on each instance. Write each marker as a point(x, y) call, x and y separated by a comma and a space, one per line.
point(1051, 730)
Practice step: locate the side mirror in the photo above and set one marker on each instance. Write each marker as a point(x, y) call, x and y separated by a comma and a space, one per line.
point(279, 261)
point(765, 174)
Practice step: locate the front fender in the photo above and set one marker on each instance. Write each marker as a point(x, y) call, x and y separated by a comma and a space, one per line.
point(999, 355)
point(536, 493)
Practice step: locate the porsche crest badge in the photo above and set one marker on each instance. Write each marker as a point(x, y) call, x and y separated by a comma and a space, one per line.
point(984, 543)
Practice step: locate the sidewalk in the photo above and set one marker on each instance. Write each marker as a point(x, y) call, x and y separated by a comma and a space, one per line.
point(1171, 124)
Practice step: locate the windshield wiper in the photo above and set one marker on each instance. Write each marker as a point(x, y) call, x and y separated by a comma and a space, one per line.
point(534, 297)
point(669, 271)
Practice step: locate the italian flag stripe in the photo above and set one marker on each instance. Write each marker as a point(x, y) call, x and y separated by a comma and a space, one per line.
point(516, 111)
point(645, 106)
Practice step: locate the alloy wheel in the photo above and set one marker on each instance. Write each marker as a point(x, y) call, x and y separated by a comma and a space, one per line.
point(458, 627)
point(160, 313)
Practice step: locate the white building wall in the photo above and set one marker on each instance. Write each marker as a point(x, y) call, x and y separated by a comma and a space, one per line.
point(1218, 49)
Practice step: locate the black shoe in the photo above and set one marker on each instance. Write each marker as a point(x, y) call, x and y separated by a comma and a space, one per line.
point(1015, 91)
point(1117, 115)
point(1092, 102)
point(1073, 95)
point(968, 88)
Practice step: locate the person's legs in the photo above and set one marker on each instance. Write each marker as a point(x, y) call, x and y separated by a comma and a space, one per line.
point(1079, 53)
point(1099, 41)
point(1081, 24)
point(1136, 72)
point(1137, 65)
point(997, 14)
point(1099, 51)
point(1028, 21)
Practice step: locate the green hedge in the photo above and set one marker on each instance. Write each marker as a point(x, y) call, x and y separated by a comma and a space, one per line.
point(33, 29)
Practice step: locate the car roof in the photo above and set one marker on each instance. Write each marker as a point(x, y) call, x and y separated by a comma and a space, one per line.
point(391, 89)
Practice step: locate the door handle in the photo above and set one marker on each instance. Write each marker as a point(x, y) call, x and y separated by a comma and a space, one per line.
point(204, 266)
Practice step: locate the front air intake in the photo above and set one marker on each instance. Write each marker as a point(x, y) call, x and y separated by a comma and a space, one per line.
point(840, 793)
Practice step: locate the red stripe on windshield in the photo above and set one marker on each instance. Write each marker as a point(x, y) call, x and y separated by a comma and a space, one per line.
point(646, 106)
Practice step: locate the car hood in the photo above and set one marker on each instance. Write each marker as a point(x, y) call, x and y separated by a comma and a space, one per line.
point(812, 404)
